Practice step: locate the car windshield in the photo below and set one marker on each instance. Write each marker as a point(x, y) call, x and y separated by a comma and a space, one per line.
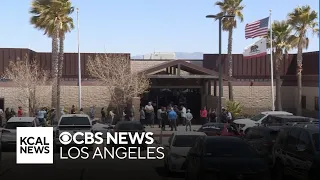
point(211, 127)
point(227, 149)
point(14, 125)
point(129, 126)
point(78, 121)
point(315, 138)
point(185, 140)
point(257, 117)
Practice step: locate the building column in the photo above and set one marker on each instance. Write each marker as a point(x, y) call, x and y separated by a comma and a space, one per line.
point(215, 87)
point(209, 86)
point(206, 87)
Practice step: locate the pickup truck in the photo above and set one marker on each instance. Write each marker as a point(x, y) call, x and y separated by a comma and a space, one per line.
point(72, 123)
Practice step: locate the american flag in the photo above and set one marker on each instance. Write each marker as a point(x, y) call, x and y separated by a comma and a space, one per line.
point(257, 28)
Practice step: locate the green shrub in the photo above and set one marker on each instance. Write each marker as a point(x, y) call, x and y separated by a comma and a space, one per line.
point(234, 108)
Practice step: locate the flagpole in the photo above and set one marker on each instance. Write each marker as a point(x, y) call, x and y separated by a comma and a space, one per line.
point(271, 62)
point(79, 62)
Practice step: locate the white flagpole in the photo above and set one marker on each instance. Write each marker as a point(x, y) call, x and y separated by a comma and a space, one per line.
point(271, 63)
point(79, 62)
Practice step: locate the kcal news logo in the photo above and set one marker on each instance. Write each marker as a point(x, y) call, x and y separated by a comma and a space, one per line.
point(34, 145)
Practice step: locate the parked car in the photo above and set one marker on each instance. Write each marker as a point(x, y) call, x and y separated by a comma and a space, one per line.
point(178, 148)
point(295, 151)
point(221, 157)
point(132, 127)
point(8, 133)
point(287, 120)
point(220, 129)
point(72, 123)
point(262, 139)
point(257, 119)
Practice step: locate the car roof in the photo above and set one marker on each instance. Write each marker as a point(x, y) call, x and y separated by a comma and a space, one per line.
point(273, 128)
point(312, 128)
point(223, 139)
point(289, 117)
point(21, 119)
point(74, 115)
point(190, 133)
point(276, 112)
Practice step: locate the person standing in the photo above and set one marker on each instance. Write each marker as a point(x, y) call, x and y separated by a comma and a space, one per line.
point(189, 117)
point(203, 115)
point(41, 113)
point(91, 112)
point(20, 112)
point(149, 111)
point(7, 114)
point(213, 116)
point(142, 116)
point(81, 111)
point(73, 110)
point(164, 118)
point(103, 115)
point(183, 114)
point(159, 112)
point(12, 113)
point(111, 113)
point(53, 116)
point(172, 116)
point(1, 117)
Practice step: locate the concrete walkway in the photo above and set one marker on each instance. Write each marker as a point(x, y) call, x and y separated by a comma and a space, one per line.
point(157, 131)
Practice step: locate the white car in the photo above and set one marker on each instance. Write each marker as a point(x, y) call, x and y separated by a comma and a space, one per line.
point(257, 119)
point(72, 123)
point(8, 133)
point(176, 151)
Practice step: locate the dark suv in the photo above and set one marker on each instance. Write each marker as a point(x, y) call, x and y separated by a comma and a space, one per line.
point(295, 152)
point(262, 139)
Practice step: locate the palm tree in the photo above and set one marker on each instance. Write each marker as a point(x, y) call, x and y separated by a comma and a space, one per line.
point(230, 7)
point(52, 16)
point(282, 42)
point(302, 19)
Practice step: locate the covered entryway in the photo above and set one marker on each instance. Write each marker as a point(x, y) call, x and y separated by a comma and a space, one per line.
point(184, 83)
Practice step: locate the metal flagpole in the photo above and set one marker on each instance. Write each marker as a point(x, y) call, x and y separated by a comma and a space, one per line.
point(79, 62)
point(271, 62)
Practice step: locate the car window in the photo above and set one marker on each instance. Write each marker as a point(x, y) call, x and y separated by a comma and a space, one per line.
point(80, 121)
point(227, 149)
point(293, 138)
point(212, 128)
point(129, 126)
point(184, 140)
point(195, 148)
point(257, 117)
point(281, 138)
point(315, 138)
point(14, 125)
point(304, 139)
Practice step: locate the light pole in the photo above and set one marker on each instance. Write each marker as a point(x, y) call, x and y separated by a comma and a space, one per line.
point(79, 61)
point(219, 60)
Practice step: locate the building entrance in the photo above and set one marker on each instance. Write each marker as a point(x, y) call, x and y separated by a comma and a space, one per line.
point(189, 97)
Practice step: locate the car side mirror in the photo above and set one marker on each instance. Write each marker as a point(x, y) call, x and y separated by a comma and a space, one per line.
point(301, 147)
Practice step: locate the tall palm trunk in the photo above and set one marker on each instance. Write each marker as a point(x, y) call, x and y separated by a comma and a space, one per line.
point(60, 66)
point(279, 57)
point(299, 78)
point(230, 64)
point(54, 71)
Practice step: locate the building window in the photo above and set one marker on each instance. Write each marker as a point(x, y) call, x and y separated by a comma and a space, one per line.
point(303, 102)
point(316, 103)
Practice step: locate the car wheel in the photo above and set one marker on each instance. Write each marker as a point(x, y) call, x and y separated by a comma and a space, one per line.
point(279, 174)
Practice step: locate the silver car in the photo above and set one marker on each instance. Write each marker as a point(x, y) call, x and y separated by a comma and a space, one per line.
point(8, 133)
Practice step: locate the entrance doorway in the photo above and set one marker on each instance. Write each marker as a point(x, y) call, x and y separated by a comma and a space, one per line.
point(189, 97)
point(2, 104)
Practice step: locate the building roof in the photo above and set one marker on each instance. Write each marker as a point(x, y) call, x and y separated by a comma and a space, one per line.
point(197, 71)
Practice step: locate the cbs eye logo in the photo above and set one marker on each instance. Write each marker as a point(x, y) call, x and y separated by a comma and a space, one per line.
point(65, 138)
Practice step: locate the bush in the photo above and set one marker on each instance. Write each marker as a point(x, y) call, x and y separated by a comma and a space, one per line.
point(234, 108)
